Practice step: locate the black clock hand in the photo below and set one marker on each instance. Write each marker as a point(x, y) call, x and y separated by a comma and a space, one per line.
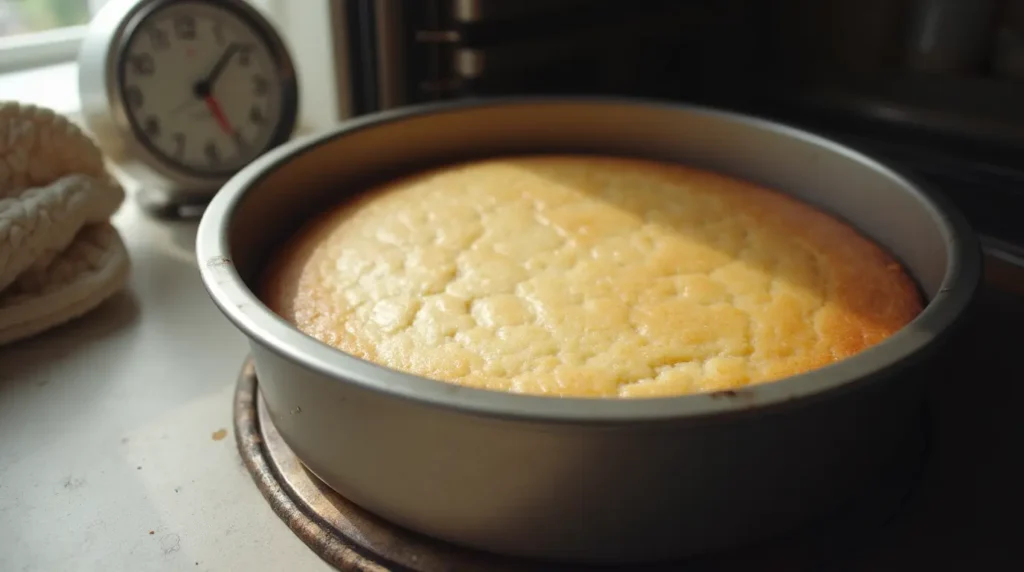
point(205, 86)
point(218, 68)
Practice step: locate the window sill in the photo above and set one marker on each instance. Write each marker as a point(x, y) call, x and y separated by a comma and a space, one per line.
point(54, 87)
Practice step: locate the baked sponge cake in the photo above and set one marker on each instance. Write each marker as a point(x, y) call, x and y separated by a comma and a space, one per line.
point(588, 276)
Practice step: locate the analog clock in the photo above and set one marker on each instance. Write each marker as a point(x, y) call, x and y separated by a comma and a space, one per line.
point(184, 93)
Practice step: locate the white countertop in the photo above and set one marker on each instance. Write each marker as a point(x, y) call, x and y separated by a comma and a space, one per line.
point(108, 459)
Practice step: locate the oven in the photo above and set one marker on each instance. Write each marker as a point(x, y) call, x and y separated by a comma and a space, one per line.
point(934, 87)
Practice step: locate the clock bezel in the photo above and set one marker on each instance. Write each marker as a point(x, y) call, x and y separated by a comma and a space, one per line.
point(104, 109)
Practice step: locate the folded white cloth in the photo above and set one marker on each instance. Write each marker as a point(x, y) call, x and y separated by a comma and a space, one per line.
point(59, 256)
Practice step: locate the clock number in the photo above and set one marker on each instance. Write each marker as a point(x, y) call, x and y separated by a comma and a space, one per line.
point(179, 145)
point(151, 126)
point(211, 152)
point(260, 86)
point(158, 39)
point(185, 27)
point(133, 96)
point(256, 115)
point(244, 55)
point(218, 33)
point(143, 64)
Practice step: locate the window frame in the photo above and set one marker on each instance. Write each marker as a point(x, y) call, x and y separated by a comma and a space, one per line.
point(38, 49)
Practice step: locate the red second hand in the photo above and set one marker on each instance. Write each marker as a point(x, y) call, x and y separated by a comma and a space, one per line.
point(218, 114)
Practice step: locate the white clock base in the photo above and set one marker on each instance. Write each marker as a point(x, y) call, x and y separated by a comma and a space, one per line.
point(171, 206)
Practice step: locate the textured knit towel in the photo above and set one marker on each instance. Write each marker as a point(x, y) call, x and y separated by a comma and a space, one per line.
point(59, 256)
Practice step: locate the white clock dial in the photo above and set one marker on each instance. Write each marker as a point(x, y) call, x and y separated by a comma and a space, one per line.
point(201, 88)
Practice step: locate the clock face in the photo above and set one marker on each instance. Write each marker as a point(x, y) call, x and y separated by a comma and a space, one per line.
point(201, 88)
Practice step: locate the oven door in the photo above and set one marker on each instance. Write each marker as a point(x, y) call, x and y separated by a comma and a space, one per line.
point(394, 53)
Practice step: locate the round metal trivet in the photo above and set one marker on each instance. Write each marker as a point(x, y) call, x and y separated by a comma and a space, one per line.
point(352, 539)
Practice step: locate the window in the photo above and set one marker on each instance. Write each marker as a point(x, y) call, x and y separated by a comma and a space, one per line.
point(39, 42)
point(21, 17)
point(34, 33)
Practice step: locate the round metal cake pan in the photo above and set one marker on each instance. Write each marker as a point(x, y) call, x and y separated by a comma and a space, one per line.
point(572, 479)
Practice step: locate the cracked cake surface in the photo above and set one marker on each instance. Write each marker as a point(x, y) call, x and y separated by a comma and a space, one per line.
point(588, 276)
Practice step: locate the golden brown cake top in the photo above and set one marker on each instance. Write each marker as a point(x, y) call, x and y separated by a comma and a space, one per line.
point(588, 276)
